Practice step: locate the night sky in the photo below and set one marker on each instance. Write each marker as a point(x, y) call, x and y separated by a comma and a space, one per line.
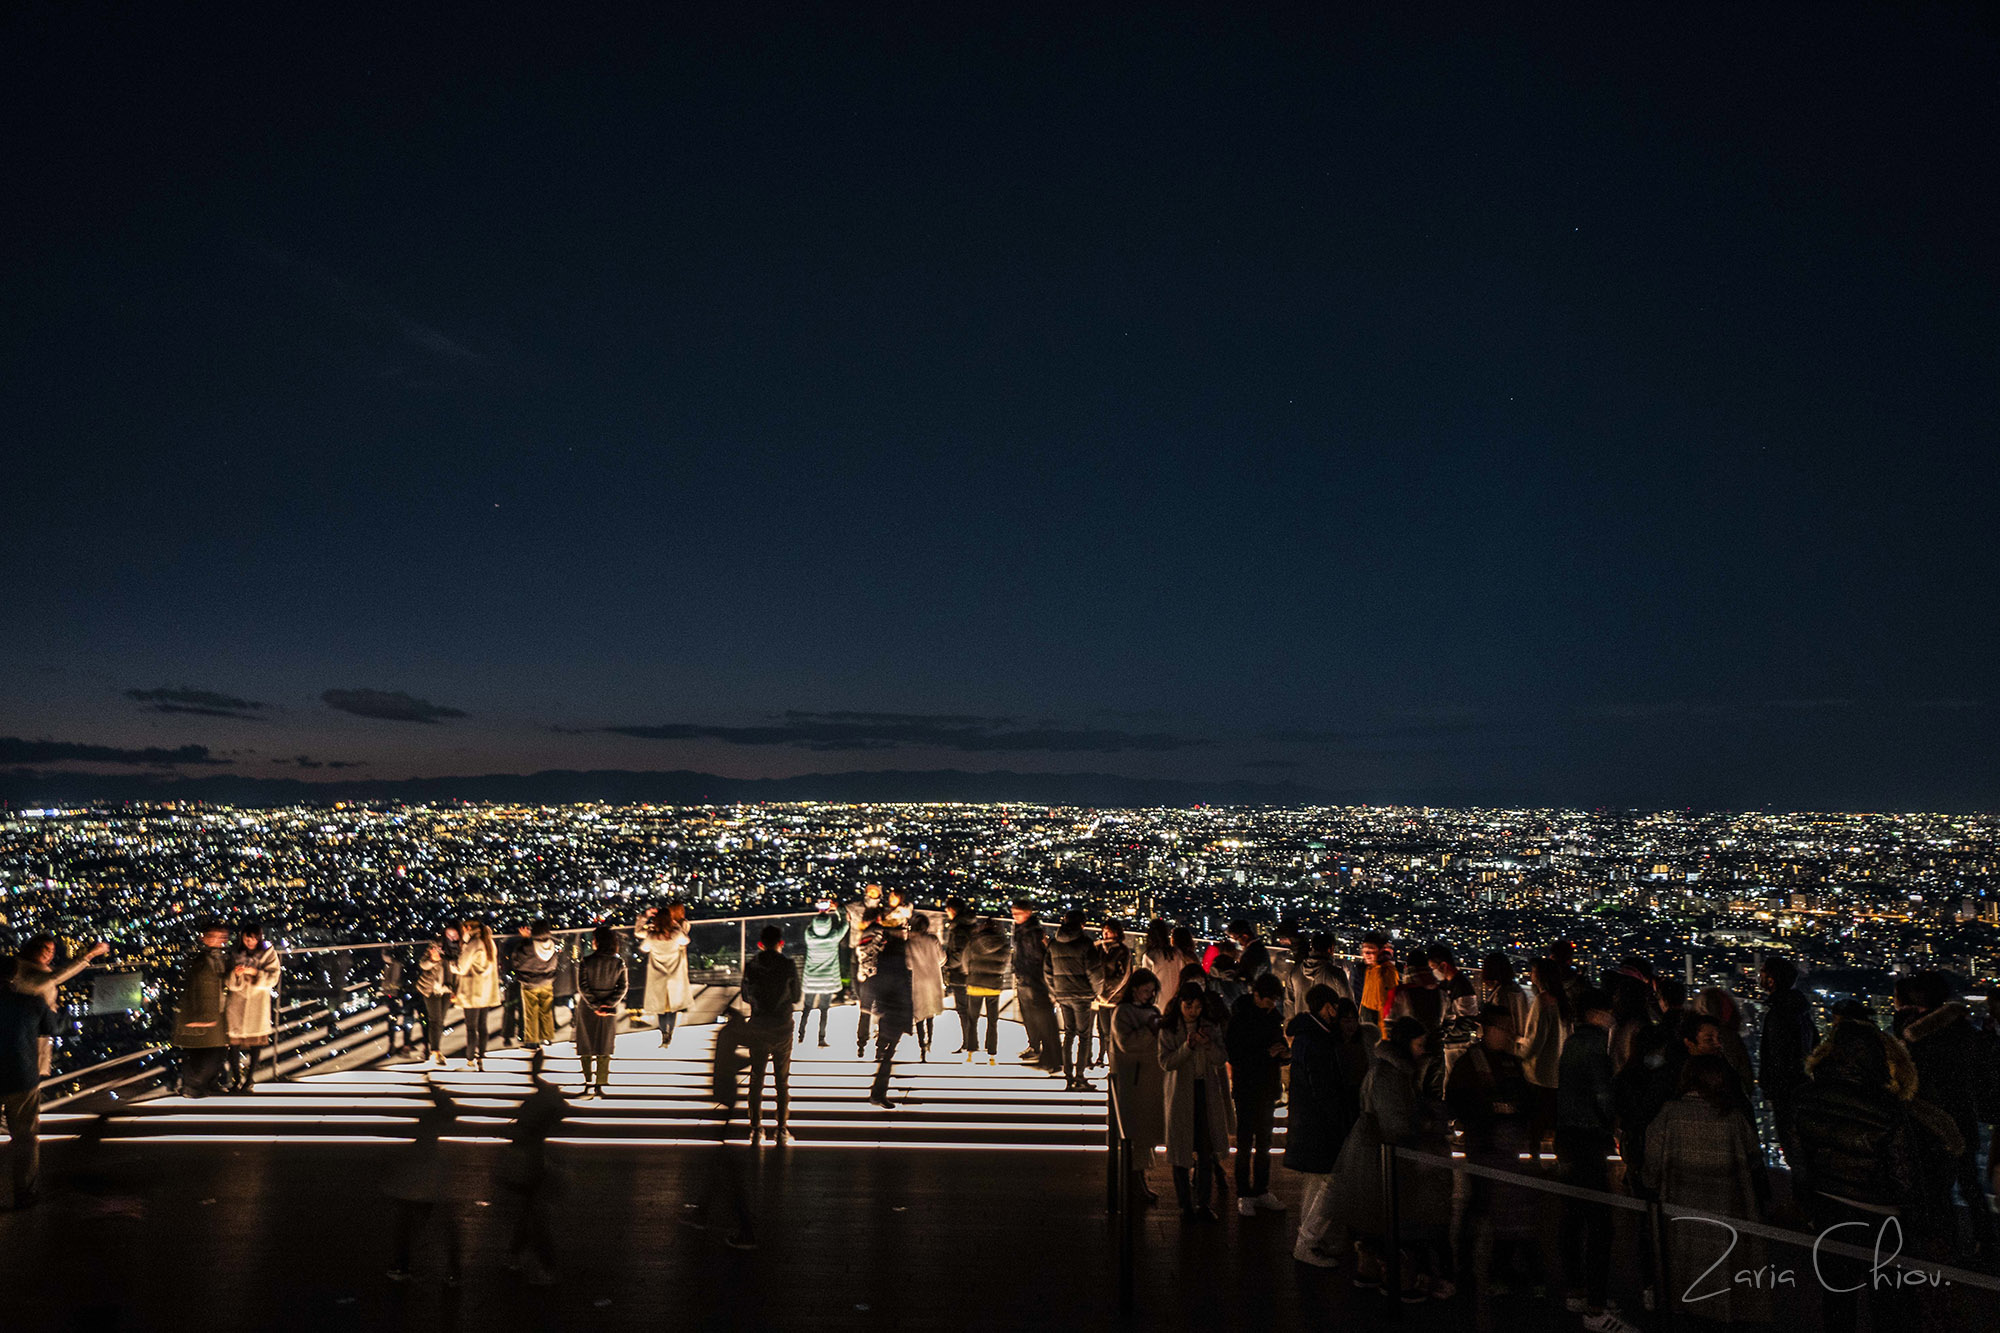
point(1594, 412)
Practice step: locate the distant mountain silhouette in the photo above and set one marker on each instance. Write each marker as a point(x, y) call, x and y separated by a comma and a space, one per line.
point(619, 786)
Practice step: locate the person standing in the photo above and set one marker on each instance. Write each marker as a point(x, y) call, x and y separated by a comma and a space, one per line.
point(512, 1021)
point(985, 978)
point(1373, 979)
point(867, 949)
point(1071, 992)
point(478, 992)
point(434, 994)
point(254, 970)
point(201, 1032)
point(535, 964)
point(1138, 1083)
point(826, 935)
point(27, 1026)
point(602, 983)
point(1540, 1047)
point(1031, 990)
point(1954, 1074)
point(1253, 958)
point(1586, 1137)
point(1258, 1053)
point(926, 955)
point(772, 986)
point(1110, 966)
point(1324, 1103)
point(957, 935)
point(664, 939)
point(1701, 1154)
point(1198, 1104)
point(1788, 1037)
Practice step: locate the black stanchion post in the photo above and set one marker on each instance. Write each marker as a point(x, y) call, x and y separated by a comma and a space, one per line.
point(1127, 1223)
point(1392, 1235)
point(1113, 1167)
point(1656, 1249)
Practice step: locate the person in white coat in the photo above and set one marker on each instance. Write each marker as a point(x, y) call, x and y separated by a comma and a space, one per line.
point(664, 938)
point(478, 992)
point(1200, 1110)
point(248, 1010)
point(926, 957)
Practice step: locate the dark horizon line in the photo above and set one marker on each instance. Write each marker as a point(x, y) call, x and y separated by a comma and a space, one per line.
point(27, 789)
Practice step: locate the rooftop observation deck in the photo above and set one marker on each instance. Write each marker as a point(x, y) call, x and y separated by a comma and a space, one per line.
point(980, 1202)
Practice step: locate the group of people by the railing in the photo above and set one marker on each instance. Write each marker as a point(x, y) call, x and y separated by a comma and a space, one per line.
point(1624, 1070)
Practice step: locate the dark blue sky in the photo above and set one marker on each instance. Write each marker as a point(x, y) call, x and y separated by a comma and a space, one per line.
point(1597, 411)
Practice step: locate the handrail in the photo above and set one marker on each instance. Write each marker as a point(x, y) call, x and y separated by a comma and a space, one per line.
point(1743, 1225)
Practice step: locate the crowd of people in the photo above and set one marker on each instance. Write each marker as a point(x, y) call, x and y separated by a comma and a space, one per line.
point(1622, 1080)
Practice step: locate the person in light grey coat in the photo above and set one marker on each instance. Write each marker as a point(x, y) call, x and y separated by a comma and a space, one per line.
point(1200, 1112)
point(1138, 1084)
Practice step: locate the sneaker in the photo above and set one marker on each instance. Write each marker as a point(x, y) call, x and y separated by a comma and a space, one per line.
point(1604, 1321)
point(398, 1275)
point(1443, 1289)
point(991, 1060)
point(784, 1138)
point(1083, 1085)
point(756, 1138)
point(824, 1043)
point(1306, 1254)
point(882, 1102)
point(1269, 1202)
point(969, 1057)
point(1245, 1208)
point(737, 1240)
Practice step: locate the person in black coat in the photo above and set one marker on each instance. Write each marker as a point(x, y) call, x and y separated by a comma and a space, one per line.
point(772, 985)
point(1031, 990)
point(1324, 1106)
point(1954, 1075)
point(1110, 966)
point(985, 959)
point(601, 985)
point(1787, 1039)
point(1258, 1051)
point(958, 927)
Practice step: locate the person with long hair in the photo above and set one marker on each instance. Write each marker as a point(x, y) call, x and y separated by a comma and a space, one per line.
point(1138, 1084)
point(434, 994)
point(1550, 1020)
point(478, 992)
point(926, 955)
point(664, 937)
point(249, 1009)
point(1198, 1104)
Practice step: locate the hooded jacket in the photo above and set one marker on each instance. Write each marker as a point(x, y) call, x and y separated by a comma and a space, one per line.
point(1954, 1070)
point(986, 958)
point(1857, 1139)
point(1069, 967)
point(535, 960)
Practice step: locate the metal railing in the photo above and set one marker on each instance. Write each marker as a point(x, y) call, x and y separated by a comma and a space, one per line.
point(342, 1004)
